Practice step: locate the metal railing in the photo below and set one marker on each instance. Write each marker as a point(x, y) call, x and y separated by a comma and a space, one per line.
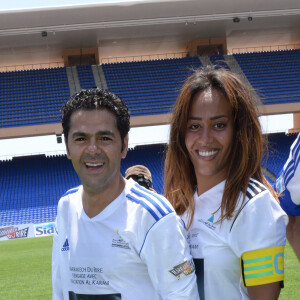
point(31, 66)
point(142, 57)
point(265, 48)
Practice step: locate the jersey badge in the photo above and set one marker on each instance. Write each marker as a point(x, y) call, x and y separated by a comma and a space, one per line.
point(211, 219)
point(185, 268)
point(119, 242)
point(262, 266)
point(209, 222)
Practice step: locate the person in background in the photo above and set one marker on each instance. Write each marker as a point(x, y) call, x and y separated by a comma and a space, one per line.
point(114, 239)
point(213, 178)
point(141, 175)
point(288, 186)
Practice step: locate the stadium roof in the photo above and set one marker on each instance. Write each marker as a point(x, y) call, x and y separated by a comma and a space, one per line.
point(91, 23)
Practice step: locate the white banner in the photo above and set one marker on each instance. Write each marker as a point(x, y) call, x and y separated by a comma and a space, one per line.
point(14, 232)
point(22, 231)
point(44, 229)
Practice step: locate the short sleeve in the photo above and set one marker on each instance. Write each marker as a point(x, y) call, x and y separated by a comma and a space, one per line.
point(260, 224)
point(167, 256)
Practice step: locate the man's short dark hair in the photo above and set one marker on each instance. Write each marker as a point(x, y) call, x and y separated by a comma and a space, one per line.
point(96, 98)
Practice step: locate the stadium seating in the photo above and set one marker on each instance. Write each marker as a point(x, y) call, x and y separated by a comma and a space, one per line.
point(31, 187)
point(85, 76)
point(218, 61)
point(32, 97)
point(149, 87)
point(275, 75)
point(35, 97)
point(277, 152)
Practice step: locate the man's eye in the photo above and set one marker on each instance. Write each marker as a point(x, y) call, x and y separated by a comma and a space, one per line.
point(80, 139)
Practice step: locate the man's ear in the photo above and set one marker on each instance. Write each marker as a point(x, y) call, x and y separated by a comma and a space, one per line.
point(125, 146)
point(67, 148)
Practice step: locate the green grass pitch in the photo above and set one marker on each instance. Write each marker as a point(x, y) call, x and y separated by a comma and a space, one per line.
point(25, 270)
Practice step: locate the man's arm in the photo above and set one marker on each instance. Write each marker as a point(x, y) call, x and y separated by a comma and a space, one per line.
point(268, 291)
point(293, 233)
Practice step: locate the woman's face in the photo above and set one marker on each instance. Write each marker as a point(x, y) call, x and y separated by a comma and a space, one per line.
point(209, 136)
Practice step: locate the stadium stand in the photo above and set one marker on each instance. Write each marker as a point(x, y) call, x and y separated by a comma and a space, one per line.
point(149, 87)
point(86, 77)
point(31, 187)
point(32, 97)
point(275, 74)
point(277, 153)
point(218, 60)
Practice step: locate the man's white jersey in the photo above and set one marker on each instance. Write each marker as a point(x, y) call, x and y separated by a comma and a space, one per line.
point(135, 249)
point(288, 183)
point(217, 248)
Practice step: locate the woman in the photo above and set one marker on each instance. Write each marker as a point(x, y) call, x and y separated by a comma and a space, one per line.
point(213, 177)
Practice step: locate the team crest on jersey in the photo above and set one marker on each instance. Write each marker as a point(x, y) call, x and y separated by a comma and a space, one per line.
point(119, 242)
point(185, 268)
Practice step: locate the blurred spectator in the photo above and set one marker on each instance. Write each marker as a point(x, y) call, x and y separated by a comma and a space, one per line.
point(141, 175)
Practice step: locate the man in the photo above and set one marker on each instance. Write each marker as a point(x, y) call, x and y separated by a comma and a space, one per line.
point(141, 175)
point(115, 240)
point(288, 185)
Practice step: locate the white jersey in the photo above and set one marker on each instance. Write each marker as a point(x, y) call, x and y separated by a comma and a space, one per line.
point(135, 249)
point(288, 183)
point(217, 248)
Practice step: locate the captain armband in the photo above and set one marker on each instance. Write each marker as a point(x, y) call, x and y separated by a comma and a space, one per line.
point(262, 266)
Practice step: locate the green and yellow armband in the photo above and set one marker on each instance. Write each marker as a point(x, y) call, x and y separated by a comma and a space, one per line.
point(262, 266)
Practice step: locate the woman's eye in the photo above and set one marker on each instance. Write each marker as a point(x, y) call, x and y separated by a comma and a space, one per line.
point(220, 125)
point(194, 126)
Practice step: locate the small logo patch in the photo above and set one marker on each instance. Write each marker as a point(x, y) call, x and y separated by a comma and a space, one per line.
point(65, 246)
point(185, 268)
point(211, 219)
point(119, 242)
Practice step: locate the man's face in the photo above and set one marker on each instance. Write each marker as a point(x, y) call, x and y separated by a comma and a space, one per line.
point(95, 148)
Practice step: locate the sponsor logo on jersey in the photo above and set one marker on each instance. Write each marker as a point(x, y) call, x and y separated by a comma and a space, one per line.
point(65, 246)
point(185, 268)
point(211, 219)
point(119, 242)
point(209, 222)
point(14, 232)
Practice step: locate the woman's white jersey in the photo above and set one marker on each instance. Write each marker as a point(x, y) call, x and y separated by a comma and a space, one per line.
point(288, 183)
point(135, 249)
point(217, 248)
